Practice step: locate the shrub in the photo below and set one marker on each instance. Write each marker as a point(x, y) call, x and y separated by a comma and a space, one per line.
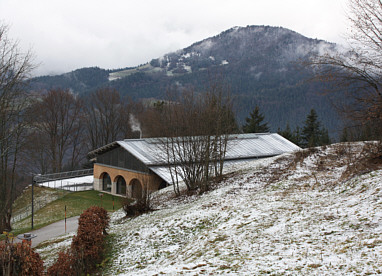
point(64, 266)
point(369, 159)
point(87, 246)
point(139, 206)
point(19, 259)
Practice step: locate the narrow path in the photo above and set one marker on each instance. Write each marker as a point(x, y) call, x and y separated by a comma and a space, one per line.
point(54, 230)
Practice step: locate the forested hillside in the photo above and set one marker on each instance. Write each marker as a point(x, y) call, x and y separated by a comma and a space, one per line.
point(261, 65)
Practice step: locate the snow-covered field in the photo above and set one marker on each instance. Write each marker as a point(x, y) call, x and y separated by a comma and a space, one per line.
point(297, 214)
point(82, 183)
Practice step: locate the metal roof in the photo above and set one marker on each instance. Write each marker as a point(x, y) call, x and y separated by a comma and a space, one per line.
point(151, 151)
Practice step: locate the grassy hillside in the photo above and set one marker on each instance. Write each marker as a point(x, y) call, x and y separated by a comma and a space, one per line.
point(316, 212)
point(54, 202)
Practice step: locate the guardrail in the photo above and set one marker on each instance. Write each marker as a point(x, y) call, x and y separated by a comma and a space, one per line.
point(66, 184)
point(60, 181)
point(61, 175)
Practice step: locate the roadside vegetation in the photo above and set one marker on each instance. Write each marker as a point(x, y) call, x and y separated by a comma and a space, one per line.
point(82, 258)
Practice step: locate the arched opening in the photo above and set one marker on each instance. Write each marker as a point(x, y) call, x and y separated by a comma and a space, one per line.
point(121, 185)
point(136, 188)
point(106, 182)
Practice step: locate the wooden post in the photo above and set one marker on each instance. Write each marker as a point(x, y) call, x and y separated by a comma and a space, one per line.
point(65, 218)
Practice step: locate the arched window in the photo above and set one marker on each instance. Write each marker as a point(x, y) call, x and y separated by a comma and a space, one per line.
point(136, 188)
point(106, 182)
point(121, 186)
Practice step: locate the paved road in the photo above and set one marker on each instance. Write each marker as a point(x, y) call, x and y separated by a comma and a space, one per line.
point(54, 230)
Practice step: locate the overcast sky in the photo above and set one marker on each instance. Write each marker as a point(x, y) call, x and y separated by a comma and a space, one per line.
point(70, 34)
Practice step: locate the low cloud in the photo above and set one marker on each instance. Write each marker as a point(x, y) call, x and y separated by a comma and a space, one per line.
point(66, 35)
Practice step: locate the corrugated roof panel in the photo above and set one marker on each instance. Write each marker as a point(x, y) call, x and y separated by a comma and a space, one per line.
point(163, 172)
point(151, 151)
point(149, 154)
point(247, 146)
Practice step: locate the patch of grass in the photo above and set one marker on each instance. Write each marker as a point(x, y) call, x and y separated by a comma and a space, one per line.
point(45, 244)
point(110, 251)
point(75, 202)
point(42, 196)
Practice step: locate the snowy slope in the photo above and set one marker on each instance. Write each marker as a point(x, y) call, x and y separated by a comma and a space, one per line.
point(297, 214)
point(305, 222)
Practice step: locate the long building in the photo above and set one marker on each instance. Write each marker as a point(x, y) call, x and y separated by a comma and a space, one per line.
point(128, 167)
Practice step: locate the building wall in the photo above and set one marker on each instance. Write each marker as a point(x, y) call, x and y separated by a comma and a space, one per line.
point(147, 181)
point(120, 158)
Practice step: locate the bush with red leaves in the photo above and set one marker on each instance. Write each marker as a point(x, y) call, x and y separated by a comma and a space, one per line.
point(65, 265)
point(87, 247)
point(19, 259)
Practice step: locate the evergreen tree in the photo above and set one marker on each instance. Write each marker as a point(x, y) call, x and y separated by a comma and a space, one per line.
point(325, 139)
point(254, 123)
point(286, 133)
point(345, 136)
point(297, 137)
point(293, 136)
point(313, 134)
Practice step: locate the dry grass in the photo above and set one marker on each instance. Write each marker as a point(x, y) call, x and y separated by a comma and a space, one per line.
point(369, 159)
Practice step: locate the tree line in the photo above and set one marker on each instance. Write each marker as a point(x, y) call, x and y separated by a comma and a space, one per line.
point(311, 134)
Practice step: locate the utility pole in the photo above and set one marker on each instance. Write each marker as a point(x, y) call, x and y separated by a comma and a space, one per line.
point(32, 199)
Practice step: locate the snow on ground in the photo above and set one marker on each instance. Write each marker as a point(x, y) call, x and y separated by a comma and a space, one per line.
point(82, 183)
point(297, 214)
point(306, 222)
point(53, 247)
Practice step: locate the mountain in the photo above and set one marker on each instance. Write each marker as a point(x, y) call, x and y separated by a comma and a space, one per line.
point(261, 64)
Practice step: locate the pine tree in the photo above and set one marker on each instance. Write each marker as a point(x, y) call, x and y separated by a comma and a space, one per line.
point(293, 136)
point(297, 137)
point(286, 133)
point(325, 139)
point(254, 123)
point(345, 136)
point(313, 134)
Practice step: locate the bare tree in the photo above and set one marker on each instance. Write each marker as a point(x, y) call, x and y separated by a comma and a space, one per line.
point(196, 128)
point(222, 121)
point(107, 118)
point(57, 119)
point(15, 68)
point(35, 155)
point(358, 71)
point(153, 120)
